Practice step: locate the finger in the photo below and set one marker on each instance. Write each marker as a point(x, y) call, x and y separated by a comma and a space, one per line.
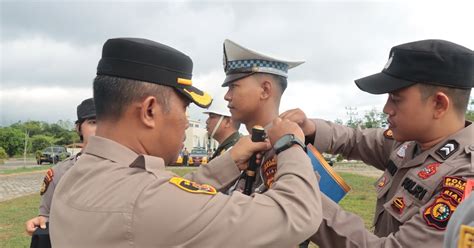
point(42, 222)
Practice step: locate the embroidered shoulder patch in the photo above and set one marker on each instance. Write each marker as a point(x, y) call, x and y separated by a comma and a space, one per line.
point(193, 187)
point(269, 168)
point(47, 180)
point(438, 213)
point(466, 237)
point(388, 134)
point(456, 183)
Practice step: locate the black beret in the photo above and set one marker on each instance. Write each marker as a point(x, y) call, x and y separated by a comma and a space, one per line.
point(149, 61)
point(85, 110)
point(436, 62)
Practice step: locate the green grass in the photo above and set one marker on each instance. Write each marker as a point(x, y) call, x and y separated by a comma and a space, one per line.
point(14, 213)
point(25, 169)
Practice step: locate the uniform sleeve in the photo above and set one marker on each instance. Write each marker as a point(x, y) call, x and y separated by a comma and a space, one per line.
point(49, 185)
point(283, 216)
point(343, 229)
point(219, 173)
point(369, 145)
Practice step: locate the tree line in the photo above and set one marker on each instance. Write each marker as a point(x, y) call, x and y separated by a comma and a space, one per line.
point(35, 136)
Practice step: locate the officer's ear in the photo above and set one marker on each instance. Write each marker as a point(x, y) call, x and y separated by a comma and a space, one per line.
point(149, 109)
point(441, 104)
point(267, 88)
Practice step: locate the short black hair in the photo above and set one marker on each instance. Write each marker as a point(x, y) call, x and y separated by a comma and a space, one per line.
point(279, 80)
point(113, 94)
point(459, 97)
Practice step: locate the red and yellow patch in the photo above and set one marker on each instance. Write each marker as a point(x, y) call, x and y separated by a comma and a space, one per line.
point(428, 171)
point(439, 212)
point(193, 187)
point(388, 134)
point(398, 204)
point(455, 183)
point(269, 169)
point(466, 237)
point(46, 181)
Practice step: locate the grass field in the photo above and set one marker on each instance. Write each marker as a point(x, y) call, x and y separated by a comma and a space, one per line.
point(25, 169)
point(14, 213)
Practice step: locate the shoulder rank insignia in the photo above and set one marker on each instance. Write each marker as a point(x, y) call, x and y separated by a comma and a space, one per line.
point(466, 237)
point(428, 171)
point(193, 187)
point(448, 149)
point(47, 180)
point(388, 134)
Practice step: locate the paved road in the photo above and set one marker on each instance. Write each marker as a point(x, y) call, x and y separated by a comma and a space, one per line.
point(16, 185)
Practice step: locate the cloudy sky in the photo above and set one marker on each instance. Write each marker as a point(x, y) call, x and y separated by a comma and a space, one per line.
point(50, 49)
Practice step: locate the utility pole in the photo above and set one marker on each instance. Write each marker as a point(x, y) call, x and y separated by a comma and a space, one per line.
point(26, 144)
point(351, 112)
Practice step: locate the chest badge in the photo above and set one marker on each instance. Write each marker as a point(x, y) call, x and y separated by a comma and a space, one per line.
point(399, 204)
point(382, 181)
point(428, 171)
point(402, 151)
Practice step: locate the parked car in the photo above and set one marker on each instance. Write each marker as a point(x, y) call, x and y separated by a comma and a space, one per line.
point(52, 154)
point(198, 156)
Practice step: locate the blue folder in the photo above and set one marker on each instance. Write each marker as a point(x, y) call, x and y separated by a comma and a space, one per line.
point(330, 183)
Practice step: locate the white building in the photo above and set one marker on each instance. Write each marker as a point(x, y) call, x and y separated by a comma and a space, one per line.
point(196, 136)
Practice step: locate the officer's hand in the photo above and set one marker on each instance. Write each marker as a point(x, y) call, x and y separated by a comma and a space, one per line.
point(281, 127)
point(32, 224)
point(298, 116)
point(244, 148)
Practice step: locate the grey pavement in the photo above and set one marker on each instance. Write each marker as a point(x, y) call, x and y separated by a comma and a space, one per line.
point(16, 185)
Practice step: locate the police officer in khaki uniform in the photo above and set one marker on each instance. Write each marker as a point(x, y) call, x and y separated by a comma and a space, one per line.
point(221, 127)
point(426, 154)
point(256, 83)
point(85, 127)
point(460, 229)
point(119, 193)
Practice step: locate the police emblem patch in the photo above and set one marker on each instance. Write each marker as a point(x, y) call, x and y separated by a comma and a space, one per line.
point(388, 134)
point(466, 237)
point(193, 187)
point(428, 171)
point(438, 213)
point(269, 168)
point(46, 181)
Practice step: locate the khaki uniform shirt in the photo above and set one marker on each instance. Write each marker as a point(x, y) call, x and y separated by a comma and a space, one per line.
point(416, 195)
point(226, 145)
point(460, 230)
point(114, 197)
point(51, 180)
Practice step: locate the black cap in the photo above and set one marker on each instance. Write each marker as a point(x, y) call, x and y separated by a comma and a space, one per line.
point(85, 110)
point(149, 61)
point(436, 62)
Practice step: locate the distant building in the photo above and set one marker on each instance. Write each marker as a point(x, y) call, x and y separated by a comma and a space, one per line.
point(196, 136)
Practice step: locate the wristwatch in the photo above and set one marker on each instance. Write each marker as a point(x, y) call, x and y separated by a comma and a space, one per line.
point(287, 141)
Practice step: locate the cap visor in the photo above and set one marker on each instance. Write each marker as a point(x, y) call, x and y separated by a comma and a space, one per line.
point(234, 77)
point(199, 97)
point(381, 83)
